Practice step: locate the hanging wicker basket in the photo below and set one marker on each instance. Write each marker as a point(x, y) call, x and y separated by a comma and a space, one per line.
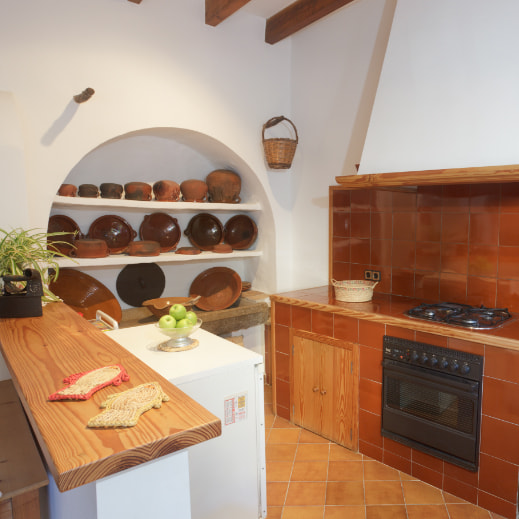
point(279, 152)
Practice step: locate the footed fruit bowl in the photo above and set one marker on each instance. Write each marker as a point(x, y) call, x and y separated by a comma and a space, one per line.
point(179, 337)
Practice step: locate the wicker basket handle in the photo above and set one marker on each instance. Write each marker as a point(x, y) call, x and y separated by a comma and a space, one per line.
point(276, 120)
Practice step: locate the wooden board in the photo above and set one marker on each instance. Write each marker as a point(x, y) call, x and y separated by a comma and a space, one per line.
point(41, 351)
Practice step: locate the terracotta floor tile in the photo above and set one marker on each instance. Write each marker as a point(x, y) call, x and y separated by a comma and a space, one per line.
point(374, 470)
point(284, 436)
point(310, 471)
point(304, 493)
point(345, 471)
point(310, 437)
point(274, 512)
point(427, 511)
point(383, 492)
point(281, 422)
point(338, 453)
point(407, 477)
point(344, 512)
point(279, 470)
point(280, 452)
point(303, 512)
point(387, 512)
point(467, 511)
point(345, 493)
point(419, 493)
point(449, 498)
point(312, 452)
point(276, 494)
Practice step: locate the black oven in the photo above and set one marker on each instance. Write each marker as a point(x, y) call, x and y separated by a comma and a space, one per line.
point(432, 399)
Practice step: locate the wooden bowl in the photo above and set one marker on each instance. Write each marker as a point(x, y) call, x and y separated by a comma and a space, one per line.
point(161, 305)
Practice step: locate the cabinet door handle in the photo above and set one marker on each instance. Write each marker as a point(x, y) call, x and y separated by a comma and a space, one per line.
point(315, 389)
point(323, 392)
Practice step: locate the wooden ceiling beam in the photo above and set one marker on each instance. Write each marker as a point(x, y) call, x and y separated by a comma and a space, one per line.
point(298, 15)
point(216, 11)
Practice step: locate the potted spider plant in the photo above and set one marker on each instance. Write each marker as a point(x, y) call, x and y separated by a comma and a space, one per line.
point(22, 249)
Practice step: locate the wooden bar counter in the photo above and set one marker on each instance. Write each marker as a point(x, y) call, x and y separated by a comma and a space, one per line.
point(41, 351)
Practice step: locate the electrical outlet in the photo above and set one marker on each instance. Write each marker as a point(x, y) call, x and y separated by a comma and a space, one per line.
point(368, 274)
point(375, 275)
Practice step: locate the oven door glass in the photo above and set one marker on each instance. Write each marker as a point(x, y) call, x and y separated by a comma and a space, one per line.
point(434, 412)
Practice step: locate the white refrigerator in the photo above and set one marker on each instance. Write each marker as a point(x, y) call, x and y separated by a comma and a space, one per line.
point(228, 473)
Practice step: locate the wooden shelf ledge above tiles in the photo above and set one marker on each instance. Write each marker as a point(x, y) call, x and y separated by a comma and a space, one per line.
point(432, 177)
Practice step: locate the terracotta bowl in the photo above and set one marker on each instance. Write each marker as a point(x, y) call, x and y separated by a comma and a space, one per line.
point(204, 231)
point(163, 228)
point(137, 191)
point(240, 232)
point(63, 243)
point(144, 248)
point(161, 305)
point(67, 190)
point(114, 230)
point(219, 288)
point(224, 186)
point(166, 191)
point(88, 191)
point(90, 248)
point(193, 190)
point(111, 190)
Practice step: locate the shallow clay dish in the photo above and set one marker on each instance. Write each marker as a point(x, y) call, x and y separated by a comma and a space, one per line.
point(219, 288)
point(188, 250)
point(204, 231)
point(144, 248)
point(62, 223)
point(240, 232)
point(161, 305)
point(163, 228)
point(85, 294)
point(114, 230)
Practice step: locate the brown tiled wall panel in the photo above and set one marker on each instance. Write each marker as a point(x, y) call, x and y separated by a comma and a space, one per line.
point(494, 486)
point(457, 243)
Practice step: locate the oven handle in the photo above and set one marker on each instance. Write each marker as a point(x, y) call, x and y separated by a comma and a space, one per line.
point(436, 377)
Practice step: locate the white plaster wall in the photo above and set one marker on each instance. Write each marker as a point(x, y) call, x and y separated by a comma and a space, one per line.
point(335, 69)
point(448, 89)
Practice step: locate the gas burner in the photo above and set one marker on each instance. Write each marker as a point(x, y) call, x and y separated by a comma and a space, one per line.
point(461, 315)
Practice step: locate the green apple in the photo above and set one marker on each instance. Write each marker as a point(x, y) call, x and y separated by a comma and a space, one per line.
point(178, 311)
point(191, 316)
point(167, 321)
point(184, 323)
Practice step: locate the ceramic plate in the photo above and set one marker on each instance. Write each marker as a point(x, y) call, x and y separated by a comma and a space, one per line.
point(219, 288)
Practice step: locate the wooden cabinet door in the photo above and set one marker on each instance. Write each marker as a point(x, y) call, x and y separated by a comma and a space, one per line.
point(324, 388)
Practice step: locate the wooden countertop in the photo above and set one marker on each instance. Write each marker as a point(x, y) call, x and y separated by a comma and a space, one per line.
point(390, 310)
point(41, 351)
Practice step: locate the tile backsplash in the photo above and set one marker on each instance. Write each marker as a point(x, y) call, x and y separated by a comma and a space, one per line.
point(457, 243)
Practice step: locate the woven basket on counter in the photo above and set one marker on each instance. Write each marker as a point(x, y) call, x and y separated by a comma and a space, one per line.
point(279, 152)
point(354, 290)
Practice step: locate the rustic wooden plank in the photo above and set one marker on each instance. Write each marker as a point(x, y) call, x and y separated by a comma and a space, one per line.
point(41, 351)
point(432, 177)
point(298, 15)
point(21, 467)
point(27, 506)
point(216, 11)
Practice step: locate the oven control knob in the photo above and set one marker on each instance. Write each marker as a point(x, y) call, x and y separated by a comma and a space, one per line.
point(433, 362)
point(423, 358)
point(444, 363)
point(465, 368)
point(414, 356)
point(453, 366)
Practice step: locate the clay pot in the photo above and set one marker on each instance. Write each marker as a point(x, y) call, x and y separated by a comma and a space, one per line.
point(144, 248)
point(193, 190)
point(88, 191)
point(111, 190)
point(90, 248)
point(224, 186)
point(166, 191)
point(67, 190)
point(137, 191)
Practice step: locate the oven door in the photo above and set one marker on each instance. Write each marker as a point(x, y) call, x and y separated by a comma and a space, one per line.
point(433, 412)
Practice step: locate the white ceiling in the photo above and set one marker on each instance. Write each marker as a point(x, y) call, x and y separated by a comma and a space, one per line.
point(265, 8)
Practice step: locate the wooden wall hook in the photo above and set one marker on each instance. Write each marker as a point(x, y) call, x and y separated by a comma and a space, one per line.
point(84, 96)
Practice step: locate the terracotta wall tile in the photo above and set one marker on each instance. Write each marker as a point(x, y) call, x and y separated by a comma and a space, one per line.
point(508, 225)
point(475, 348)
point(341, 249)
point(427, 475)
point(371, 333)
point(282, 366)
point(341, 271)
point(373, 451)
point(481, 291)
point(301, 318)
point(381, 252)
point(485, 198)
point(322, 322)
point(460, 474)
point(360, 225)
point(346, 328)
point(283, 313)
point(508, 262)
point(483, 260)
point(402, 282)
point(371, 363)
point(484, 228)
point(429, 198)
point(499, 506)
point(397, 462)
point(502, 363)
point(500, 439)
point(456, 198)
point(510, 197)
point(431, 338)
point(357, 270)
point(283, 394)
point(460, 489)
point(508, 294)
point(404, 226)
point(428, 226)
point(404, 201)
point(369, 428)
point(428, 256)
point(498, 477)
point(361, 200)
point(403, 254)
point(370, 395)
point(360, 251)
point(340, 198)
point(427, 286)
point(381, 200)
point(455, 227)
point(341, 224)
point(396, 331)
point(454, 258)
point(501, 399)
point(381, 225)
point(431, 462)
point(453, 287)
point(282, 338)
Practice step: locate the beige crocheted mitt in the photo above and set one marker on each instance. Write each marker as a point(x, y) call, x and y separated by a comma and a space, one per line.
point(124, 409)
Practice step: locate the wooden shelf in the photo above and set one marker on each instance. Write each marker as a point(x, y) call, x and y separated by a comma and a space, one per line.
point(432, 177)
point(167, 257)
point(76, 202)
